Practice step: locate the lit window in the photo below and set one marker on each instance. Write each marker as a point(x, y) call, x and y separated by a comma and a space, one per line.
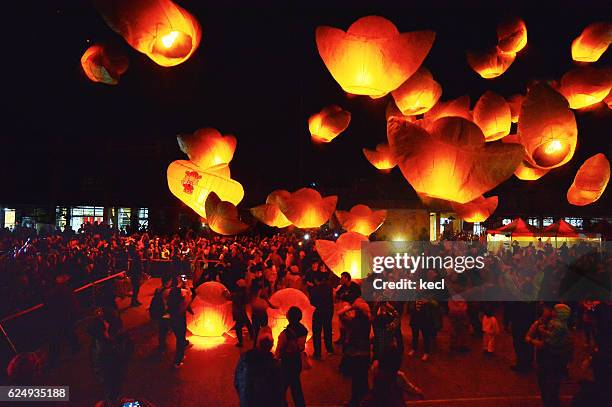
point(9, 218)
point(143, 217)
point(61, 216)
point(506, 221)
point(477, 228)
point(80, 215)
point(125, 215)
point(576, 222)
point(534, 222)
point(547, 221)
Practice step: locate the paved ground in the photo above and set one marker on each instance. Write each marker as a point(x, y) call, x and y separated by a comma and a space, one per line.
point(206, 379)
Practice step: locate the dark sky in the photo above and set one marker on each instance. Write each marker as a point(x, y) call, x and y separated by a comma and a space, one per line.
point(257, 74)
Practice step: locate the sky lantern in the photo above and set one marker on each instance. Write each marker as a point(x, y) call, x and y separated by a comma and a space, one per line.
point(592, 42)
point(222, 216)
point(207, 147)
point(160, 29)
point(328, 123)
point(191, 184)
point(270, 213)
point(585, 86)
point(344, 254)
point(514, 102)
point(590, 181)
point(608, 100)
point(361, 219)
point(372, 57)
point(547, 127)
point(381, 158)
point(212, 310)
point(512, 35)
point(284, 299)
point(452, 161)
point(459, 107)
point(104, 64)
point(418, 94)
point(306, 208)
point(477, 210)
point(492, 115)
point(525, 171)
point(491, 63)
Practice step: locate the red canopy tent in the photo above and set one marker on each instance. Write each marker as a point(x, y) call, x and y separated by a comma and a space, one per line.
point(517, 228)
point(561, 229)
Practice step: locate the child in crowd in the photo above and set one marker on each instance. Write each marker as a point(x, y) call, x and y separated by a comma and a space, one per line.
point(490, 329)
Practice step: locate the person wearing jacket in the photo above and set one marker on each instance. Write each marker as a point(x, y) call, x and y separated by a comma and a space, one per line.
point(291, 344)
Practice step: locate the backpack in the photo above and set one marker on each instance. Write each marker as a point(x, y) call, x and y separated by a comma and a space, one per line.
point(157, 308)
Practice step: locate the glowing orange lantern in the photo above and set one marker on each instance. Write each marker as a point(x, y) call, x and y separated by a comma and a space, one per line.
point(381, 158)
point(372, 58)
point(525, 171)
point(453, 162)
point(222, 216)
point(586, 86)
point(418, 94)
point(491, 63)
point(270, 213)
point(104, 64)
point(592, 42)
point(512, 35)
point(492, 115)
point(160, 29)
point(305, 208)
point(283, 300)
point(514, 102)
point(191, 184)
point(590, 181)
point(459, 107)
point(608, 100)
point(477, 210)
point(547, 127)
point(208, 148)
point(328, 123)
point(212, 310)
point(361, 219)
point(343, 254)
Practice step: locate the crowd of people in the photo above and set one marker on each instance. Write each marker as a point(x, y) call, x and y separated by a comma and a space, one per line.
point(44, 268)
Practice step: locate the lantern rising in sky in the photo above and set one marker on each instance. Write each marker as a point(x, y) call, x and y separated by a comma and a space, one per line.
point(212, 310)
point(514, 102)
point(590, 181)
point(418, 94)
point(477, 210)
point(372, 57)
point(270, 213)
point(160, 29)
point(512, 35)
point(492, 115)
point(547, 127)
point(459, 107)
point(344, 254)
point(306, 208)
point(222, 216)
point(452, 161)
point(491, 63)
point(381, 158)
point(361, 219)
point(207, 147)
point(328, 123)
point(104, 64)
point(585, 86)
point(592, 42)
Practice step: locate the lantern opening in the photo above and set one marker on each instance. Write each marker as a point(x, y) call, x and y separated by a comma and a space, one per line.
point(174, 44)
point(550, 153)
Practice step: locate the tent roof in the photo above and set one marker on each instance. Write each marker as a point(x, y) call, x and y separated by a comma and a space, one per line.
point(518, 227)
point(561, 229)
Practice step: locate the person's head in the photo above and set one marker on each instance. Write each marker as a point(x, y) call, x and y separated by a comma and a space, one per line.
point(546, 311)
point(294, 315)
point(345, 278)
point(562, 312)
point(265, 340)
point(166, 280)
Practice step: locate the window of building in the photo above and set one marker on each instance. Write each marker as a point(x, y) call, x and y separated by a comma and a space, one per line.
point(576, 222)
point(85, 214)
point(534, 222)
point(477, 228)
point(125, 215)
point(61, 216)
point(433, 230)
point(143, 217)
point(547, 222)
point(9, 218)
point(506, 221)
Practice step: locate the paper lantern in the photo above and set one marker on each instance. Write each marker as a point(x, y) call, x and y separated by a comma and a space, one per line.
point(477, 210)
point(207, 147)
point(592, 42)
point(512, 35)
point(492, 115)
point(372, 57)
point(381, 158)
point(212, 311)
point(586, 86)
point(192, 185)
point(270, 213)
point(547, 127)
point(328, 123)
point(222, 216)
point(524, 171)
point(453, 162)
point(160, 29)
point(361, 219)
point(459, 107)
point(418, 94)
point(590, 181)
point(491, 63)
point(305, 208)
point(344, 254)
point(104, 64)
point(283, 300)
point(608, 100)
point(514, 102)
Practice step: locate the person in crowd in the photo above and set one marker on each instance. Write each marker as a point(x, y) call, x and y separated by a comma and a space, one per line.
point(62, 314)
point(178, 299)
point(421, 323)
point(490, 330)
point(522, 314)
point(386, 390)
point(240, 300)
point(257, 377)
point(348, 291)
point(135, 270)
point(387, 330)
point(158, 311)
point(322, 298)
point(291, 346)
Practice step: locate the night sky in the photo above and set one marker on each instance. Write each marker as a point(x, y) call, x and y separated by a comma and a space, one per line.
point(257, 74)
